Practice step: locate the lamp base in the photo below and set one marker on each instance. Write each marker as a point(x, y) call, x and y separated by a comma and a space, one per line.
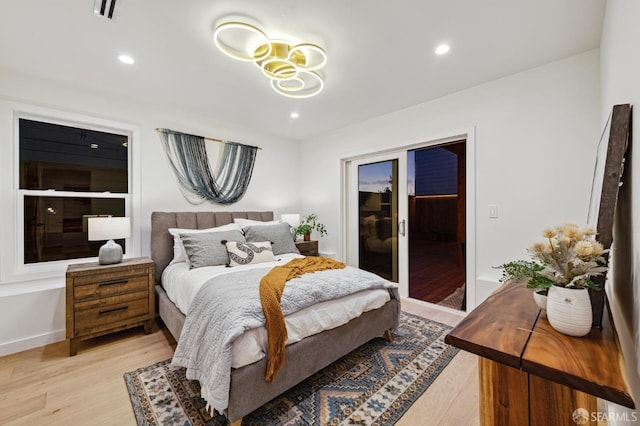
point(110, 253)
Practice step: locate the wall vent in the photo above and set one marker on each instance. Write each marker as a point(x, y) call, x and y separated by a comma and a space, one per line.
point(105, 8)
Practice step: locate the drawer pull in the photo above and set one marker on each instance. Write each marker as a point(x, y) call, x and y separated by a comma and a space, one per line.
point(121, 308)
point(113, 282)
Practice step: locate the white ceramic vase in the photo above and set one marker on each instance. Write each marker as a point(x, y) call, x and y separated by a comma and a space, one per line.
point(540, 299)
point(569, 310)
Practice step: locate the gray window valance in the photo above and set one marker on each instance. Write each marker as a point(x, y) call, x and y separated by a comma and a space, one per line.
point(188, 158)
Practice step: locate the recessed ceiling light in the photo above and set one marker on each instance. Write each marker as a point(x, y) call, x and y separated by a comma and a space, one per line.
point(294, 115)
point(126, 59)
point(442, 49)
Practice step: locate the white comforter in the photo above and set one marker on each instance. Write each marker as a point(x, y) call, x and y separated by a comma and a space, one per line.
point(182, 284)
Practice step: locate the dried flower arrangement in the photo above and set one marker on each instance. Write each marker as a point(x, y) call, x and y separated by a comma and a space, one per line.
point(568, 257)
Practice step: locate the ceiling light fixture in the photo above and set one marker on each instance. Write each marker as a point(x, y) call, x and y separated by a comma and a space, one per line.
point(126, 59)
point(442, 49)
point(292, 68)
point(294, 115)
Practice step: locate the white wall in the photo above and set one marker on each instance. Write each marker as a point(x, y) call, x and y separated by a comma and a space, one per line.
point(32, 313)
point(620, 83)
point(535, 133)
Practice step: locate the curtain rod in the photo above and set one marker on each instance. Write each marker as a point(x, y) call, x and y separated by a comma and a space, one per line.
point(204, 137)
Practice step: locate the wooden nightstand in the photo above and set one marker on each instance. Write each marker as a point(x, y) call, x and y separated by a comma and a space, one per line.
point(102, 299)
point(308, 248)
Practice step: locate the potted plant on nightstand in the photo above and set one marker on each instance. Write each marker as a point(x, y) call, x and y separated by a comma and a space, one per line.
point(309, 224)
point(563, 264)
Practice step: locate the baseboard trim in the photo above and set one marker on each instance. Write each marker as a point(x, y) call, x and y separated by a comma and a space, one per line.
point(32, 342)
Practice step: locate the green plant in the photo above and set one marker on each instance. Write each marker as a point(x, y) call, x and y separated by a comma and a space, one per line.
point(568, 257)
point(521, 270)
point(309, 224)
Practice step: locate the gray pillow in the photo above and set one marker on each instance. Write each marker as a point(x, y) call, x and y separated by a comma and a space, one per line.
point(279, 235)
point(207, 248)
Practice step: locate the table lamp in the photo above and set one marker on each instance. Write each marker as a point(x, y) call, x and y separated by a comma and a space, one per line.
point(109, 228)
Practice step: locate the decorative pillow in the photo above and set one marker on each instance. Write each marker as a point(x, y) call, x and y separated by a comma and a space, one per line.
point(206, 248)
point(178, 250)
point(279, 236)
point(248, 253)
point(251, 222)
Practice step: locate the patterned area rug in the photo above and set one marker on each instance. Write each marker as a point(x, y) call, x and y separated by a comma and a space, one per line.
point(373, 385)
point(454, 300)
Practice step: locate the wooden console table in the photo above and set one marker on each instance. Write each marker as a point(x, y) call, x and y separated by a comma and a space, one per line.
point(531, 374)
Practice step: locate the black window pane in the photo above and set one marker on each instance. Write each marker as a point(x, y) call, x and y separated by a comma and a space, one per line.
point(55, 228)
point(66, 158)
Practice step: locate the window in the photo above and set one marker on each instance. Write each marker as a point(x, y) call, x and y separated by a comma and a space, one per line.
point(67, 174)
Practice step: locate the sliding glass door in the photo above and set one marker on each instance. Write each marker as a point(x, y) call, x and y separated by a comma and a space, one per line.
point(409, 217)
point(377, 217)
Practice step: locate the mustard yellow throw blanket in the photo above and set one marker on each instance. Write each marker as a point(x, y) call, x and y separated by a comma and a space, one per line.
point(271, 288)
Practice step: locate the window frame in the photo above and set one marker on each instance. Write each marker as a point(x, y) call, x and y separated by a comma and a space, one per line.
point(15, 269)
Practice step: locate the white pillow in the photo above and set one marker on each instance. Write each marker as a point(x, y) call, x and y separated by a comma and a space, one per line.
point(179, 254)
point(251, 222)
point(247, 253)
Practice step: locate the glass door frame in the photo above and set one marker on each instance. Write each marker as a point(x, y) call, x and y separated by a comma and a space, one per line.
point(368, 156)
point(352, 214)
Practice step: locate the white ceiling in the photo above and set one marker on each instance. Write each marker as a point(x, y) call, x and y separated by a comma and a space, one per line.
point(380, 52)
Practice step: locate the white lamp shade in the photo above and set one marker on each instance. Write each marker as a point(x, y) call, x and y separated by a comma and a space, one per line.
point(109, 228)
point(292, 219)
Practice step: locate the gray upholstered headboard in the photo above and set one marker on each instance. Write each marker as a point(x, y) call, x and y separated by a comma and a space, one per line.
point(162, 241)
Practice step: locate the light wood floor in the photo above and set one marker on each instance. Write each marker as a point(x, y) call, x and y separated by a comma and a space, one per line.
point(452, 399)
point(45, 386)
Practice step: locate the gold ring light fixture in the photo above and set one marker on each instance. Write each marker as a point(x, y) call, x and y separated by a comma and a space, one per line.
point(291, 68)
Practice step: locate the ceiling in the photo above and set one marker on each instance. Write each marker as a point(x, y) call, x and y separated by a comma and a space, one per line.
point(380, 52)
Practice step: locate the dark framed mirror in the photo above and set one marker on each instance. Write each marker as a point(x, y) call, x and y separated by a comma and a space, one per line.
point(607, 178)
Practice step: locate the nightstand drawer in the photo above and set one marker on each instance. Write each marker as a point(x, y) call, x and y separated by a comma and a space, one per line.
point(307, 248)
point(308, 252)
point(107, 284)
point(94, 313)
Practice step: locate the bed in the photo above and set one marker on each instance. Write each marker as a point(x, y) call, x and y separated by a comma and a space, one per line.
point(248, 388)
